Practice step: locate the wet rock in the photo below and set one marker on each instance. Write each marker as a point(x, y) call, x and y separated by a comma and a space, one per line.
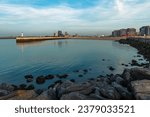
point(118, 80)
point(103, 59)
point(141, 89)
point(47, 95)
point(76, 71)
point(140, 74)
point(124, 93)
point(111, 68)
point(15, 87)
point(28, 76)
point(62, 76)
point(80, 75)
point(135, 63)
point(58, 81)
point(3, 92)
point(96, 97)
point(85, 70)
point(126, 75)
point(22, 95)
point(40, 80)
point(39, 91)
point(73, 96)
point(22, 87)
point(30, 87)
point(51, 86)
point(48, 77)
point(72, 80)
point(110, 93)
point(7, 87)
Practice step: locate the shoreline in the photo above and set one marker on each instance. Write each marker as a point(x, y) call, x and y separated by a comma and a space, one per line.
point(130, 85)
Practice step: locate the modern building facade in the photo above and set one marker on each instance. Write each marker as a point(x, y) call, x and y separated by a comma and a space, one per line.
point(124, 32)
point(145, 30)
point(60, 34)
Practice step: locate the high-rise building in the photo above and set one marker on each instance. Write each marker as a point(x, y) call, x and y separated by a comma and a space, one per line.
point(131, 32)
point(60, 34)
point(145, 30)
point(116, 33)
point(123, 32)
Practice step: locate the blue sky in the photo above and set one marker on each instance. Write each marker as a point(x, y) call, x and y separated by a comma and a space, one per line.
point(85, 17)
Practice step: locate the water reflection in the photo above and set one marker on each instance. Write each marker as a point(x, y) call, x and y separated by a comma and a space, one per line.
point(59, 43)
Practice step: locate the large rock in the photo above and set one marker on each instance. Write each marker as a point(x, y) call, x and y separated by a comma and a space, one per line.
point(47, 95)
point(141, 89)
point(73, 96)
point(20, 95)
point(110, 93)
point(126, 75)
point(69, 87)
point(124, 93)
point(140, 73)
point(7, 87)
point(3, 92)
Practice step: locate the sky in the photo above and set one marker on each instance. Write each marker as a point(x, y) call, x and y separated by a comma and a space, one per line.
point(84, 17)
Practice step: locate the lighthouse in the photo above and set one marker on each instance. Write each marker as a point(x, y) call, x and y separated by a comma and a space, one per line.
point(22, 34)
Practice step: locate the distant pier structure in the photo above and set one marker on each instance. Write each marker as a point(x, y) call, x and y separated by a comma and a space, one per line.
point(22, 34)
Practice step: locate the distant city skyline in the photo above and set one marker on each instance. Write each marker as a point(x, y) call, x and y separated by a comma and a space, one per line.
point(84, 17)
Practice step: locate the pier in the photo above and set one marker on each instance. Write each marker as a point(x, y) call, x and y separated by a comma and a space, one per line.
point(37, 38)
point(42, 38)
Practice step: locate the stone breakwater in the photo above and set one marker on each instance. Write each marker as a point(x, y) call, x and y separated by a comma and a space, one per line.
point(130, 85)
point(142, 45)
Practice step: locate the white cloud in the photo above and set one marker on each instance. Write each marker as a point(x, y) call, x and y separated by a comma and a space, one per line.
point(105, 15)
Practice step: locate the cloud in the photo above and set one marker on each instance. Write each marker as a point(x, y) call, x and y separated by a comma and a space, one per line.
point(105, 15)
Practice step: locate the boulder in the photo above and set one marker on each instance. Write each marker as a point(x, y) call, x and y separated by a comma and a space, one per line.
point(50, 76)
point(141, 89)
point(126, 75)
point(110, 93)
point(29, 78)
point(73, 96)
point(140, 73)
point(40, 80)
point(7, 87)
point(47, 95)
point(22, 95)
point(124, 93)
point(3, 92)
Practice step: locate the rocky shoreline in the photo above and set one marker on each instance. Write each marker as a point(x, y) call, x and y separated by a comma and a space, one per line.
point(132, 84)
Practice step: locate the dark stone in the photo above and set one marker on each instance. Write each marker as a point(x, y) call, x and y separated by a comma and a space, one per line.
point(39, 91)
point(7, 87)
point(85, 70)
point(22, 86)
point(28, 76)
point(51, 86)
point(29, 79)
point(30, 87)
point(72, 80)
point(124, 93)
point(103, 59)
point(40, 80)
point(134, 63)
point(111, 68)
point(76, 71)
point(15, 87)
point(80, 75)
point(3, 92)
point(62, 76)
point(73, 96)
point(48, 77)
point(58, 81)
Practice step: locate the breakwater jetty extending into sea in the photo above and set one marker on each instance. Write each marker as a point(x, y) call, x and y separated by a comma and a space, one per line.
point(41, 38)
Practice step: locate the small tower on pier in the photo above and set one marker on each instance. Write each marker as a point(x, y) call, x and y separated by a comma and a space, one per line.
point(22, 34)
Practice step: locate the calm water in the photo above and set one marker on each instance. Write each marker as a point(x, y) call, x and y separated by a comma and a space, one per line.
point(61, 56)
